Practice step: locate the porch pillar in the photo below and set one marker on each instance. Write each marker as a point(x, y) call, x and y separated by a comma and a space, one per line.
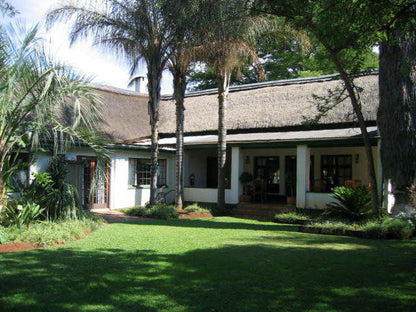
point(236, 170)
point(302, 174)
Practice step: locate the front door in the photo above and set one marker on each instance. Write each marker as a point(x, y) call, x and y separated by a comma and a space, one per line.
point(94, 184)
point(268, 169)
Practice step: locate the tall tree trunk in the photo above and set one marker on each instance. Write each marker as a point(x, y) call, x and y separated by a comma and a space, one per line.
point(179, 83)
point(154, 77)
point(366, 138)
point(223, 77)
point(397, 114)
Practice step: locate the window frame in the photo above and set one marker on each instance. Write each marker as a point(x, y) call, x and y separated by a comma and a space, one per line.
point(145, 179)
point(337, 167)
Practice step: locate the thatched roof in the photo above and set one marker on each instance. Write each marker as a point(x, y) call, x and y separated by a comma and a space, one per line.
point(124, 114)
point(270, 105)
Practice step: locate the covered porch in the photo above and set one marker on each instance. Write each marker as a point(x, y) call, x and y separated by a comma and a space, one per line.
point(307, 168)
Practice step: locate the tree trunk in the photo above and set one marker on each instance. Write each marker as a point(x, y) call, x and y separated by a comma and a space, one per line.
point(223, 88)
point(396, 115)
point(154, 77)
point(361, 121)
point(179, 83)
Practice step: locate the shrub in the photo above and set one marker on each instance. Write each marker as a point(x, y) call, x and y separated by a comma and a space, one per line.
point(21, 215)
point(353, 203)
point(291, 218)
point(159, 211)
point(195, 207)
point(332, 227)
point(48, 233)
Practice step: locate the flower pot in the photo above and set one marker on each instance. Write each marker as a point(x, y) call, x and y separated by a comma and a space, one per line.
point(245, 198)
point(291, 200)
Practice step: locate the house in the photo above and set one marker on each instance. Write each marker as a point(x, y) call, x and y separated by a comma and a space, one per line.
point(270, 135)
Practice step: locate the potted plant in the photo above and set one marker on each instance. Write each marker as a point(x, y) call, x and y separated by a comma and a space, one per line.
point(290, 187)
point(245, 178)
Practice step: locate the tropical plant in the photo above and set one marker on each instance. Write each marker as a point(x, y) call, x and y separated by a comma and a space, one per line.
point(34, 93)
point(179, 15)
point(352, 203)
point(21, 215)
point(136, 29)
point(61, 199)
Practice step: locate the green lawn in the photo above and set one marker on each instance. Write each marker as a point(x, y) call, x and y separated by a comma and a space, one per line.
point(218, 264)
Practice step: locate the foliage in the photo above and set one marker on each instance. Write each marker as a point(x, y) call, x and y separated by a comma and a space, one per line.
point(59, 199)
point(3, 236)
point(21, 215)
point(196, 208)
point(352, 203)
point(34, 93)
point(291, 218)
point(62, 199)
point(159, 211)
point(51, 233)
point(384, 228)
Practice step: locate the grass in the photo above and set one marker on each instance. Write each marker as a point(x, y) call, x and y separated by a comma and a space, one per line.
point(215, 264)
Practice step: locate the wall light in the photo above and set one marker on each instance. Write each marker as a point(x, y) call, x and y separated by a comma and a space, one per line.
point(247, 160)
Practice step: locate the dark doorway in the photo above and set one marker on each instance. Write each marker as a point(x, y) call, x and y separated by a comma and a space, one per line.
point(290, 175)
point(268, 169)
point(94, 183)
point(212, 172)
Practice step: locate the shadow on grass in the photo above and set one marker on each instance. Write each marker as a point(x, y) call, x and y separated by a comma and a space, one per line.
point(229, 278)
point(219, 223)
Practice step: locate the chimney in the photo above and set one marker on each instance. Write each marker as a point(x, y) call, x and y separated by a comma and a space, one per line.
point(139, 84)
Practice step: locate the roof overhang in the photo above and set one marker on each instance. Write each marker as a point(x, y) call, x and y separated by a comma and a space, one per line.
point(272, 137)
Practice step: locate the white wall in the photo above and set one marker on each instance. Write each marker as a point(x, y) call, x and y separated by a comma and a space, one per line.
point(318, 200)
point(121, 194)
point(196, 163)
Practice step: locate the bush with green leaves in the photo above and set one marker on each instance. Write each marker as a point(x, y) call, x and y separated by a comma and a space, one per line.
point(47, 233)
point(291, 218)
point(196, 208)
point(159, 211)
point(351, 203)
point(49, 190)
point(21, 215)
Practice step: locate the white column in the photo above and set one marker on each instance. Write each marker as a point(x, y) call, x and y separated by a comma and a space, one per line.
point(236, 170)
point(302, 174)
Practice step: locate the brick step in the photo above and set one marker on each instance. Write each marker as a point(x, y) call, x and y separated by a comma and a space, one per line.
point(265, 208)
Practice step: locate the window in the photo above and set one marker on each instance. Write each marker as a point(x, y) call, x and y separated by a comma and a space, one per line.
point(335, 170)
point(140, 172)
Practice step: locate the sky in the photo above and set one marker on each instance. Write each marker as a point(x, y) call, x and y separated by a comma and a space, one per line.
point(103, 68)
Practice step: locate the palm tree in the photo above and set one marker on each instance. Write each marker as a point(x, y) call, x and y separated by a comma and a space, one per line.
point(225, 32)
point(136, 29)
point(180, 15)
point(33, 93)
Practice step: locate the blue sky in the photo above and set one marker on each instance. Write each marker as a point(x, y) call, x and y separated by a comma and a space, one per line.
point(105, 68)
